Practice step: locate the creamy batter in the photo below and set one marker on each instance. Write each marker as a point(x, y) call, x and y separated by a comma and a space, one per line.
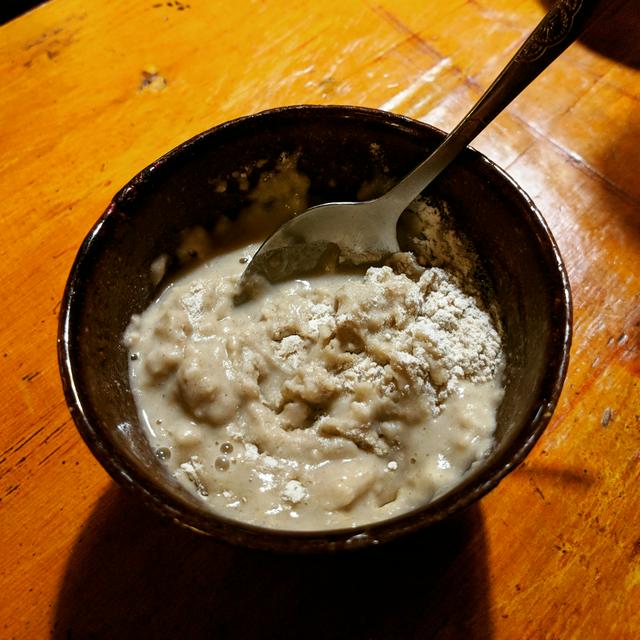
point(329, 402)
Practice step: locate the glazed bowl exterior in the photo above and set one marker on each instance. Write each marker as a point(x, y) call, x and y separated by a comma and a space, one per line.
point(109, 281)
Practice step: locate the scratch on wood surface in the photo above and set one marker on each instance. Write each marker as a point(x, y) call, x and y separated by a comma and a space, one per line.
point(51, 43)
point(574, 158)
point(41, 38)
point(500, 17)
point(423, 79)
point(413, 37)
point(12, 451)
point(11, 489)
point(61, 253)
point(537, 489)
point(15, 448)
point(51, 453)
point(54, 432)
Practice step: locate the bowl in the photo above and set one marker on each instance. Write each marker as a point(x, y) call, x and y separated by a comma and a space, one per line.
point(109, 281)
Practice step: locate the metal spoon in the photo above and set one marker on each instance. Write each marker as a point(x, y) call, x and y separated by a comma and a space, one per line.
point(365, 232)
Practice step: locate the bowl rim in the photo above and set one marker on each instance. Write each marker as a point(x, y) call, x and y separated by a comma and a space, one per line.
point(235, 531)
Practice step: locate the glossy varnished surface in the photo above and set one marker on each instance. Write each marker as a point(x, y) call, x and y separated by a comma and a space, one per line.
point(92, 92)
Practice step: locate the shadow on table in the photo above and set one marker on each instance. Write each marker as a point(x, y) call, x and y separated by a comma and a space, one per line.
point(613, 216)
point(615, 36)
point(132, 574)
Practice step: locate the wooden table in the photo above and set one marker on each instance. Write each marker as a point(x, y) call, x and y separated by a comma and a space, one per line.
point(91, 93)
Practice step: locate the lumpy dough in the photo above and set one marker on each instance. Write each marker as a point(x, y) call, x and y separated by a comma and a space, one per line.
point(330, 402)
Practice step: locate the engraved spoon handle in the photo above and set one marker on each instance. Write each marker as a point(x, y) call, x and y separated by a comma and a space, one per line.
point(564, 22)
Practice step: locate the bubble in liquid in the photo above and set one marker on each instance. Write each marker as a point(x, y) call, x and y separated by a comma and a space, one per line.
point(163, 453)
point(222, 463)
point(226, 447)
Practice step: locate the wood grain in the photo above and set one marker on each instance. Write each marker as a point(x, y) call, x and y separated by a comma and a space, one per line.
point(92, 92)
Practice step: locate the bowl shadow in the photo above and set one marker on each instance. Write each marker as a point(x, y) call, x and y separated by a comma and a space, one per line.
point(133, 574)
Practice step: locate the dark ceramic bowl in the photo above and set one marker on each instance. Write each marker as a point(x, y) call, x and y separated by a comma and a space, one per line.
point(110, 281)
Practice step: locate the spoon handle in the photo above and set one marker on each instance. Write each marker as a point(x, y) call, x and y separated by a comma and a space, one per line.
point(564, 22)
